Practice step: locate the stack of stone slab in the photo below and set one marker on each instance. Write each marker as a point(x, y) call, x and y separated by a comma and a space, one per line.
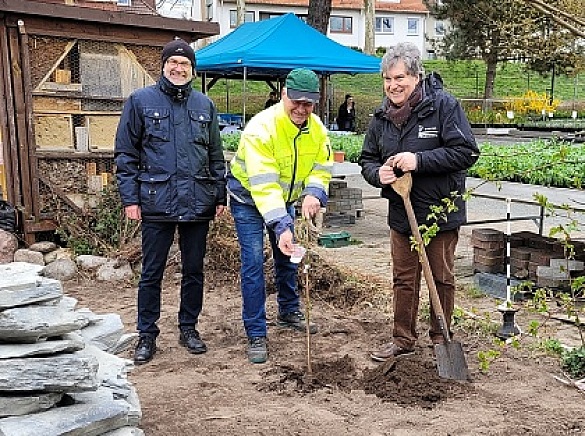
point(57, 372)
point(559, 273)
point(345, 204)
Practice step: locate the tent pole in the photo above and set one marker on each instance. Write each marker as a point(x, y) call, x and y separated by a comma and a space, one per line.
point(244, 98)
point(323, 98)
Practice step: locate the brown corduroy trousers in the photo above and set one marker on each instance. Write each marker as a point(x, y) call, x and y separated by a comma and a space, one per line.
point(406, 276)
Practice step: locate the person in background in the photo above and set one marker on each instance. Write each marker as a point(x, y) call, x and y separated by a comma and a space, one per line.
point(272, 99)
point(346, 115)
point(170, 169)
point(283, 155)
point(421, 129)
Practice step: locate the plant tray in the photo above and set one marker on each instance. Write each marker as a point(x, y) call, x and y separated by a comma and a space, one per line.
point(333, 240)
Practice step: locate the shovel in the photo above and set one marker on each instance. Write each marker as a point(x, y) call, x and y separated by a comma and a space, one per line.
point(451, 362)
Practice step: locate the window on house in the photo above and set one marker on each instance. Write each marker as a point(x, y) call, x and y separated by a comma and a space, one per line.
point(439, 28)
point(267, 16)
point(384, 25)
point(248, 18)
point(340, 24)
point(412, 26)
point(124, 3)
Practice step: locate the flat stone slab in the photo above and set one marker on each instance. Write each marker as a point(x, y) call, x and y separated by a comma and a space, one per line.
point(25, 290)
point(65, 373)
point(32, 323)
point(70, 343)
point(17, 404)
point(77, 419)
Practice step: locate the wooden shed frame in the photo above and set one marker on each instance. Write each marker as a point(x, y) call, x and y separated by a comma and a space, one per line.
point(19, 20)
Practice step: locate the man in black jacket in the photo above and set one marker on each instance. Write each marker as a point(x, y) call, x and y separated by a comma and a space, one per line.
point(171, 175)
point(421, 129)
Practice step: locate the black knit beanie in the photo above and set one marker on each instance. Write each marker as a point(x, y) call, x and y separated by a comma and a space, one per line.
point(178, 47)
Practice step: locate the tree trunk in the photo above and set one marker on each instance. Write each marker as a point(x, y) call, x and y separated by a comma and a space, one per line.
point(370, 37)
point(318, 15)
point(240, 11)
point(490, 77)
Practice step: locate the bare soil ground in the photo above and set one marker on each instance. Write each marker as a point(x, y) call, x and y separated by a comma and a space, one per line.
point(220, 393)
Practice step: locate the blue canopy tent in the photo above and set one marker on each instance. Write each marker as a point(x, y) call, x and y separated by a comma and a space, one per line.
point(268, 50)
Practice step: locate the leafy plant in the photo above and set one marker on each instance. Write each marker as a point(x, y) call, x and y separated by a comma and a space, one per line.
point(574, 362)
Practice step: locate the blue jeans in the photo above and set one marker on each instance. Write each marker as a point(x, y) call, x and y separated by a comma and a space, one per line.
point(157, 238)
point(250, 230)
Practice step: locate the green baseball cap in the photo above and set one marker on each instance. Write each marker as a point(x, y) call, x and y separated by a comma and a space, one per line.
point(302, 84)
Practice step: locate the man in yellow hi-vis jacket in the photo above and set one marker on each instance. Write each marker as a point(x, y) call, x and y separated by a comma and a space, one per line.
point(283, 155)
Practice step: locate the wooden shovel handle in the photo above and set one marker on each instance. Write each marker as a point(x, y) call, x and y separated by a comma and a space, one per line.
point(402, 186)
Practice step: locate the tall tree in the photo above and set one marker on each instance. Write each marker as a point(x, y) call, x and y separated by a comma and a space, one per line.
point(319, 14)
point(370, 36)
point(240, 11)
point(499, 31)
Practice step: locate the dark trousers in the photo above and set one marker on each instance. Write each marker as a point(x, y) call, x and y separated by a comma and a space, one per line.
point(406, 276)
point(157, 238)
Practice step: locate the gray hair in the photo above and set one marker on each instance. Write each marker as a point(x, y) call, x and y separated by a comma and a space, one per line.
point(406, 52)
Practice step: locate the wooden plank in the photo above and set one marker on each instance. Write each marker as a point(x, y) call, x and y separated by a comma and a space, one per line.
point(21, 153)
point(132, 74)
point(8, 122)
point(32, 167)
point(56, 105)
point(120, 18)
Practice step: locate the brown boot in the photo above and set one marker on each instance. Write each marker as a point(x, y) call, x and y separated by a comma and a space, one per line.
point(389, 350)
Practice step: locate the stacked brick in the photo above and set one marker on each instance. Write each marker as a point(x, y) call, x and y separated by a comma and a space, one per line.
point(532, 257)
point(488, 250)
point(345, 204)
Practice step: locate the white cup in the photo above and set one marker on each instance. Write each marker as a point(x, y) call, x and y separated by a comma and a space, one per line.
point(297, 254)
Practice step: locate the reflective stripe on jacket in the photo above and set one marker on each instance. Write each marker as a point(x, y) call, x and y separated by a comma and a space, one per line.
point(276, 163)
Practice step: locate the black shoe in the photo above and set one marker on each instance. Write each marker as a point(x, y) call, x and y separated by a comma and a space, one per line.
point(295, 320)
point(190, 339)
point(145, 349)
point(257, 349)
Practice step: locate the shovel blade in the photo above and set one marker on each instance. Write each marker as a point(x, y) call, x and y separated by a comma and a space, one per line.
point(451, 361)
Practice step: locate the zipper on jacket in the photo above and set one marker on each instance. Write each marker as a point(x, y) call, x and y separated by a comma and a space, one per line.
point(294, 174)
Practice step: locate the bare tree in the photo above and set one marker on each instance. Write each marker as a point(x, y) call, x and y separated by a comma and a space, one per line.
point(240, 11)
point(370, 37)
point(318, 15)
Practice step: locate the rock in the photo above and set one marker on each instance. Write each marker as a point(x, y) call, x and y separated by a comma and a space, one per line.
point(125, 431)
point(8, 246)
point(105, 332)
point(90, 262)
point(43, 246)
point(24, 290)
point(77, 419)
point(59, 253)
point(69, 343)
point(29, 256)
point(16, 405)
point(111, 271)
point(31, 323)
point(64, 373)
point(61, 269)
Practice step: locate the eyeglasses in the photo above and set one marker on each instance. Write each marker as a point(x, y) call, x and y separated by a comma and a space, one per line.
point(174, 63)
point(304, 103)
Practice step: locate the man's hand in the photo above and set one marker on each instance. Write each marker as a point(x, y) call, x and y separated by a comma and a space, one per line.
point(285, 243)
point(310, 207)
point(219, 210)
point(404, 161)
point(133, 212)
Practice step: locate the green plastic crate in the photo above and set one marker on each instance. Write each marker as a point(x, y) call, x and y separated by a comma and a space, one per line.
point(333, 240)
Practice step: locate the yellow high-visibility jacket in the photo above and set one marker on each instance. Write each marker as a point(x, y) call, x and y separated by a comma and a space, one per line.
point(277, 163)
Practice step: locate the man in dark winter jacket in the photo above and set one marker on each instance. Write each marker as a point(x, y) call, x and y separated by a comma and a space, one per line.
point(421, 129)
point(171, 175)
